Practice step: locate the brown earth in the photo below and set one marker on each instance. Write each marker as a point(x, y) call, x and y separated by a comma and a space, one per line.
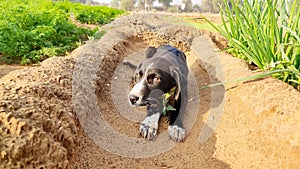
point(5, 69)
point(60, 114)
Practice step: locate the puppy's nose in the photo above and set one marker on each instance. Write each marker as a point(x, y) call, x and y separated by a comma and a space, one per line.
point(133, 99)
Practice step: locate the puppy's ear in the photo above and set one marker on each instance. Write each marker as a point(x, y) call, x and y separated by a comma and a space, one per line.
point(181, 54)
point(150, 52)
point(176, 76)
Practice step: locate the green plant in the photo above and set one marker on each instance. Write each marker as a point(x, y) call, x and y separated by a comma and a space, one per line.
point(89, 14)
point(201, 25)
point(31, 31)
point(265, 33)
point(167, 106)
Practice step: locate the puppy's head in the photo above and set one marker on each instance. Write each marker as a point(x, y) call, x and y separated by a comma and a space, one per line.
point(153, 77)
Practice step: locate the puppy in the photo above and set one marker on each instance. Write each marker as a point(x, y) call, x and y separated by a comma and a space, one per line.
point(164, 70)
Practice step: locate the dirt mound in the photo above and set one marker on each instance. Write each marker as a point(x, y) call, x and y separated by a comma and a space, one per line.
point(70, 112)
point(5, 69)
point(37, 122)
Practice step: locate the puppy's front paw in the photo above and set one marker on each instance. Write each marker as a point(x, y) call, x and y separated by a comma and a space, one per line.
point(148, 132)
point(149, 127)
point(176, 133)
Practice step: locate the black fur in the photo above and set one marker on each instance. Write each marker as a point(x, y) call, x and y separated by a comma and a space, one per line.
point(163, 69)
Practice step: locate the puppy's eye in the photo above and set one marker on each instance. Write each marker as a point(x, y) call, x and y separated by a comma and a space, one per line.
point(153, 79)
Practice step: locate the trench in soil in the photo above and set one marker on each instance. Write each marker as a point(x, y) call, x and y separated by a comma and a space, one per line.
point(113, 87)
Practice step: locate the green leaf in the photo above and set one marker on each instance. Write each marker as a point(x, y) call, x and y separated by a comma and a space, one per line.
point(265, 33)
point(170, 108)
point(31, 31)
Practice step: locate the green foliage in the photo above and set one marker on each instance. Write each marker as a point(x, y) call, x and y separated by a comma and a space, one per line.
point(265, 33)
point(31, 31)
point(201, 25)
point(99, 34)
point(89, 14)
point(167, 106)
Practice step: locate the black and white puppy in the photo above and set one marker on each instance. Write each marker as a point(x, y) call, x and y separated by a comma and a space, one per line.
point(164, 69)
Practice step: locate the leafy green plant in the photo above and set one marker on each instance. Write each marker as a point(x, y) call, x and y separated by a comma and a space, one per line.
point(90, 14)
point(31, 31)
point(201, 25)
point(99, 34)
point(167, 106)
point(265, 33)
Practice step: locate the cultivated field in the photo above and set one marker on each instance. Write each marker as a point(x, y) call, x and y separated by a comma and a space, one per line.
point(59, 114)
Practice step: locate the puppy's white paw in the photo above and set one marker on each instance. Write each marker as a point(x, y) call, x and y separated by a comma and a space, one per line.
point(176, 133)
point(149, 127)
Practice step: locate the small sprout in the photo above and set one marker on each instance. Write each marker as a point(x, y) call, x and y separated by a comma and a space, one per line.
point(166, 98)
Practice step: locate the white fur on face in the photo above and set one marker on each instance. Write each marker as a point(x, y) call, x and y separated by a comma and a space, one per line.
point(176, 133)
point(137, 90)
point(149, 127)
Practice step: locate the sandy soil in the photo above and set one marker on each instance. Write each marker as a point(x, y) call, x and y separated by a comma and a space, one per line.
point(5, 69)
point(72, 112)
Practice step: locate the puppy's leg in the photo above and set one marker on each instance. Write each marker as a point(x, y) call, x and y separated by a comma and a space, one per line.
point(149, 126)
point(176, 130)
